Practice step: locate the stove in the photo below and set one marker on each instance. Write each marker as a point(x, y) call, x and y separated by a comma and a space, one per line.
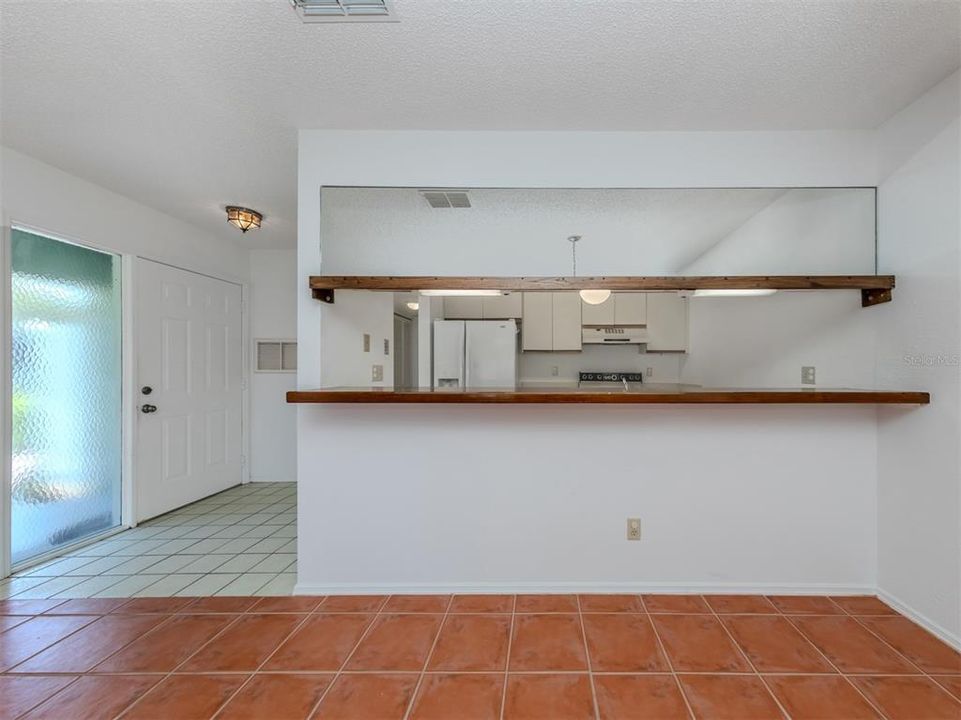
point(607, 379)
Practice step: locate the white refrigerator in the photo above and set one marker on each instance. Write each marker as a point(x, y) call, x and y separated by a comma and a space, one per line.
point(475, 353)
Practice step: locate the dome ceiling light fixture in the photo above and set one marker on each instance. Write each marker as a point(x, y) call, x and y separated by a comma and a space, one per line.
point(591, 297)
point(243, 218)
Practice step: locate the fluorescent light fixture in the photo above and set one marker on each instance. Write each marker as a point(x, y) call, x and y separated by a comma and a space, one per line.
point(736, 292)
point(413, 306)
point(463, 293)
point(595, 297)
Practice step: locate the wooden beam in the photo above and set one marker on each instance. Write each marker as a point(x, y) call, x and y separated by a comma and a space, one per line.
point(406, 283)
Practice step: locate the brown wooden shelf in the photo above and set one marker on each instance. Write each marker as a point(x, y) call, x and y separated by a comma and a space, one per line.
point(874, 289)
point(652, 394)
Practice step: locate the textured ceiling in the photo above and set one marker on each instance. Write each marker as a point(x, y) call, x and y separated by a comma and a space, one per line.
point(189, 105)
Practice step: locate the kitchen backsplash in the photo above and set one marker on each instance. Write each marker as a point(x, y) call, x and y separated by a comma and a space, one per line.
point(538, 367)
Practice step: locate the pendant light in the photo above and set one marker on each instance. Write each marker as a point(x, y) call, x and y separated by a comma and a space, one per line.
point(591, 297)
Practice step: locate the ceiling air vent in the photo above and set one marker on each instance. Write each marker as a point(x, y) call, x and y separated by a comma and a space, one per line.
point(446, 198)
point(345, 10)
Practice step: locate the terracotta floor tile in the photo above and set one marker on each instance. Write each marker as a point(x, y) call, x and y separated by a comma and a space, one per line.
point(805, 605)
point(166, 647)
point(294, 604)
point(352, 603)
point(863, 605)
point(19, 694)
point(547, 642)
point(396, 642)
point(729, 697)
point(675, 604)
point(366, 697)
point(482, 604)
point(8, 622)
point(917, 644)
point(820, 697)
point(623, 643)
point(90, 645)
point(185, 697)
point(726, 604)
point(12, 606)
point(87, 606)
point(224, 604)
point(850, 646)
point(553, 697)
point(698, 643)
point(639, 697)
point(610, 603)
point(476, 643)
point(910, 698)
point(465, 697)
point(155, 605)
point(32, 636)
point(321, 643)
point(244, 645)
point(772, 644)
point(278, 697)
point(546, 603)
point(93, 698)
point(951, 682)
point(417, 603)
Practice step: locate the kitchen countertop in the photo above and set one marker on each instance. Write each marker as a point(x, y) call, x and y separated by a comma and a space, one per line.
point(633, 394)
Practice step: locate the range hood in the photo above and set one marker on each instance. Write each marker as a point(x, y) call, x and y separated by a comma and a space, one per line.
point(614, 335)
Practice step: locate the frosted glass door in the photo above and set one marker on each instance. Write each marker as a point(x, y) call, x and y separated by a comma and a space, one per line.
point(66, 367)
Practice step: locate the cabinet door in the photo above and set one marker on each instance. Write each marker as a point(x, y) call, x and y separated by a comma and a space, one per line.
point(463, 308)
point(666, 322)
point(602, 314)
point(537, 331)
point(630, 308)
point(503, 307)
point(566, 320)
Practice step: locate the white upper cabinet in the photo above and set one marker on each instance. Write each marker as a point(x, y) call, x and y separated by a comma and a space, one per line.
point(666, 322)
point(503, 307)
point(602, 314)
point(630, 308)
point(537, 327)
point(463, 308)
point(566, 320)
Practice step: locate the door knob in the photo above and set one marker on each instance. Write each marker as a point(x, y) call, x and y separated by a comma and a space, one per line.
point(146, 389)
point(148, 408)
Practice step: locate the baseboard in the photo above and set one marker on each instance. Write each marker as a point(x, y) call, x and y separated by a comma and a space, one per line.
point(927, 623)
point(305, 588)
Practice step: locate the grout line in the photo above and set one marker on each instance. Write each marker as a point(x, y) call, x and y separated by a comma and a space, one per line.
point(433, 645)
point(507, 664)
point(340, 670)
point(744, 654)
point(587, 655)
point(670, 663)
point(830, 662)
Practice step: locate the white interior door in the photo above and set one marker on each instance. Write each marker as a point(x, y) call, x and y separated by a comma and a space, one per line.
point(190, 357)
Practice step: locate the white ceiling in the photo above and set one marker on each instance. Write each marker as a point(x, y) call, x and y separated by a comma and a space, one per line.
point(188, 105)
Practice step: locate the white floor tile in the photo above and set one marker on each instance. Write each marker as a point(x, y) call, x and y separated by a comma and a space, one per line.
point(278, 562)
point(127, 586)
point(267, 545)
point(51, 587)
point(202, 547)
point(240, 545)
point(89, 587)
point(283, 584)
point(241, 563)
point(205, 563)
point(168, 585)
point(246, 584)
point(14, 585)
point(207, 585)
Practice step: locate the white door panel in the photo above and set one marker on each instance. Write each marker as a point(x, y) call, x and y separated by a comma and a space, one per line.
point(190, 353)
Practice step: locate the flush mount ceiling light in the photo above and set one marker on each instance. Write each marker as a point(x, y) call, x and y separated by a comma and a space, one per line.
point(591, 297)
point(461, 293)
point(243, 218)
point(312, 11)
point(741, 292)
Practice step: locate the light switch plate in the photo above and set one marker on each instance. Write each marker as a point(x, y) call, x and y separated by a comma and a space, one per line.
point(386, 346)
point(633, 528)
point(366, 342)
point(808, 375)
point(377, 373)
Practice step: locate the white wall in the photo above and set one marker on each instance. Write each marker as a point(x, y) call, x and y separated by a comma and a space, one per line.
point(354, 314)
point(919, 348)
point(512, 497)
point(273, 314)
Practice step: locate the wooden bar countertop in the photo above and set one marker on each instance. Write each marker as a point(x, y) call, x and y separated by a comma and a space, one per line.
point(634, 394)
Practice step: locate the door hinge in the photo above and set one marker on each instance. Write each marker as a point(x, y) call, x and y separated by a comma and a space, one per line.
point(243, 459)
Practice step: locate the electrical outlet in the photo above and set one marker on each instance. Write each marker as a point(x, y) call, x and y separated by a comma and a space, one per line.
point(366, 342)
point(377, 373)
point(807, 375)
point(386, 346)
point(649, 372)
point(633, 528)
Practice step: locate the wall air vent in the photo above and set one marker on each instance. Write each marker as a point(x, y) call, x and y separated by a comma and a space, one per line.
point(446, 198)
point(345, 10)
point(276, 356)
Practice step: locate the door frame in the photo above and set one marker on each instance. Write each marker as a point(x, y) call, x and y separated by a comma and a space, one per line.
point(129, 337)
